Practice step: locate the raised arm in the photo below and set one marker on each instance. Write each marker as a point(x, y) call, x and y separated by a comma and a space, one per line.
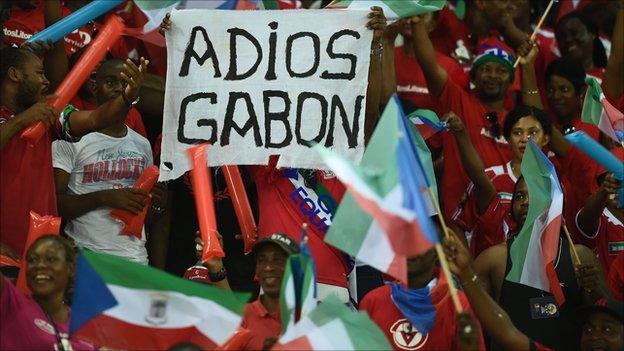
point(389, 84)
point(425, 54)
point(376, 23)
point(530, 91)
point(55, 61)
point(115, 110)
point(588, 218)
point(473, 166)
point(613, 84)
point(493, 318)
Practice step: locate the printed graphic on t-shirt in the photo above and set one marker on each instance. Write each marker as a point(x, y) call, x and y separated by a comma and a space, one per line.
point(114, 166)
point(407, 337)
point(317, 206)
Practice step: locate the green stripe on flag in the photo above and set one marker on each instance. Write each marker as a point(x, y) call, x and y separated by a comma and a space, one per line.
point(363, 332)
point(268, 5)
point(379, 170)
point(408, 8)
point(537, 178)
point(592, 106)
point(116, 271)
point(147, 5)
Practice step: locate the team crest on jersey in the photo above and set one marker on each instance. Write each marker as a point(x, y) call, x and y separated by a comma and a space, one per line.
point(407, 337)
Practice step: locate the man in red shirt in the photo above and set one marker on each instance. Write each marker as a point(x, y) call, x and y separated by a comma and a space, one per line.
point(262, 317)
point(481, 110)
point(600, 221)
point(421, 316)
point(26, 177)
point(27, 18)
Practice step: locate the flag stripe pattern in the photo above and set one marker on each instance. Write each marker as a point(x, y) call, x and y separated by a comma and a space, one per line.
point(115, 298)
point(598, 110)
point(393, 9)
point(392, 190)
point(535, 249)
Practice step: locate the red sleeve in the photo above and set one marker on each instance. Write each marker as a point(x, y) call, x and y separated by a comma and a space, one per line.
point(615, 280)
point(536, 346)
point(491, 223)
point(452, 98)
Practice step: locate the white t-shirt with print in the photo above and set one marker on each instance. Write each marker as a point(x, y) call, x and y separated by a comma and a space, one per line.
point(100, 162)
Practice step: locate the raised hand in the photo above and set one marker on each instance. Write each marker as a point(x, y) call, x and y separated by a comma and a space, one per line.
point(38, 47)
point(133, 77)
point(528, 52)
point(455, 123)
point(376, 22)
point(165, 25)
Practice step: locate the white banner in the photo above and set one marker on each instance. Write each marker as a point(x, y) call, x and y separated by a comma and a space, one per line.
point(261, 83)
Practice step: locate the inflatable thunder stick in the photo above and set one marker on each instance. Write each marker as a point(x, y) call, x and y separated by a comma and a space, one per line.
point(202, 191)
point(238, 194)
point(74, 21)
point(133, 224)
point(39, 226)
point(77, 76)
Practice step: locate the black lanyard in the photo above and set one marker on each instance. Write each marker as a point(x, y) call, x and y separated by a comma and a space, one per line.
point(59, 340)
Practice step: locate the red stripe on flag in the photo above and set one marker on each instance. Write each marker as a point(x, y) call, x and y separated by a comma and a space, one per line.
point(553, 280)
point(405, 237)
point(616, 118)
point(114, 333)
point(398, 268)
point(550, 240)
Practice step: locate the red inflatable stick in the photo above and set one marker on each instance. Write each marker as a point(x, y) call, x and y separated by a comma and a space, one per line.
point(236, 342)
point(109, 34)
point(133, 224)
point(39, 226)
point(238, 194)
point(202, 190)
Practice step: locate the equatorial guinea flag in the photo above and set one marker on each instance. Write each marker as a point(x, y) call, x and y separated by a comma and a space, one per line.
point(385, 215)
point(125, 305)
point(534, 250)
point(393, 9)
point(598, 110)
point(333, 326)
point(298, 293)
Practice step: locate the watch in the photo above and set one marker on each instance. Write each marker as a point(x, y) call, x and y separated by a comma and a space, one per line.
point(219, 276)
point(127, 102)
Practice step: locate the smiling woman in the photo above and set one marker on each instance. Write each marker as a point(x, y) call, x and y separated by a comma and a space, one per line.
point(40, 321)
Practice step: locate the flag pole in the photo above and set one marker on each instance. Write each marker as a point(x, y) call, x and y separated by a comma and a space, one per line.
point(331, 3)
point(537, 28)
point(576, 256)
point(434, 200)
point(449, 278)
point(442, 256)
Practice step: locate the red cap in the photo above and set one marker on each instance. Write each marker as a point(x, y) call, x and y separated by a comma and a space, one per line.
point(197, 274)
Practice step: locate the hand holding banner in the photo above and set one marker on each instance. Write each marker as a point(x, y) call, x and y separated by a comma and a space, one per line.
point(202, 191)
point(77, 76)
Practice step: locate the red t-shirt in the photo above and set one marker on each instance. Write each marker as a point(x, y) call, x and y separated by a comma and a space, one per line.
point(495, 225)
point(402, 335)
point(22, 24)
point(26, 182)
point(261, 324)
point(134, 120)
point(411, 83)
point(607, 241)
point(286, 203)
point(466, 215)
point(615, 279)
point(492, 151)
